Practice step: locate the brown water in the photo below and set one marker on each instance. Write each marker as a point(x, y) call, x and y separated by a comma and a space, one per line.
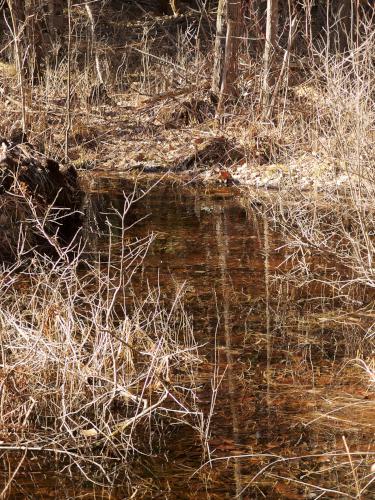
point(291, 401)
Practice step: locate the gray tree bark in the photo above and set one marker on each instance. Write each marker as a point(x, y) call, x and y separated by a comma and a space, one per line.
point(219, 51)
point(347, 18)
point(92, 21)
point(269, 50)
point(18, 17)
point(228, 37)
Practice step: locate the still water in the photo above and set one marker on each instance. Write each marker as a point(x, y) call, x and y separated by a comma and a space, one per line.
point(290, 412)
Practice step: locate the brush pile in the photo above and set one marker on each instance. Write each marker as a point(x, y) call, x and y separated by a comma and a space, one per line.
point(32, 185)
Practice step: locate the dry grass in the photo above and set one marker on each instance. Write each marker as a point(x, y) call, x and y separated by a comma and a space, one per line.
point(157, 74)
point(87, 367)
point(79, 371)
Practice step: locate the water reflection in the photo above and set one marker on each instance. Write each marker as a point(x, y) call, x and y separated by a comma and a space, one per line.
point(284, 385)
point(223, 251)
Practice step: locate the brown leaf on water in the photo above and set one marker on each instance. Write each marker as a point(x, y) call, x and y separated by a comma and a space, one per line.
point(199, 140)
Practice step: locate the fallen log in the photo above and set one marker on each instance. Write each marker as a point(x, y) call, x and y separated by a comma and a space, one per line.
point(39, 200)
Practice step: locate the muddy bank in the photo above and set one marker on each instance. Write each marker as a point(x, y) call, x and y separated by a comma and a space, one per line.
point(39, 199)
point(221, 160)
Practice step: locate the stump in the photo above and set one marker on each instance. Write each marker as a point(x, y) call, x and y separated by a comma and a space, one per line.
point(39, 200)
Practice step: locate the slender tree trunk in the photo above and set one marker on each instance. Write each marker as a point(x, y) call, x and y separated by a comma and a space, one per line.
point(31, 18)
point(91, 17)
point(37, 47)
point(232, 45)
point(174, 7)
point(269, 49)
point(18, 10)
point(219, 52)
point(228, 36)
point(346, 12)
point(18, 18)
point(68, 84)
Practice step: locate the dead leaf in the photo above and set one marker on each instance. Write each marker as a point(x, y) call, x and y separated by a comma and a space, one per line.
point(89, 432)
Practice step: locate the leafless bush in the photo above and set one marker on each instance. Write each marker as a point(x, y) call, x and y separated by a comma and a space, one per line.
point(85, 361)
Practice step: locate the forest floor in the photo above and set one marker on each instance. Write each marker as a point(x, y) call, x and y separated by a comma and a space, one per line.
point(156, 115)
point(167, 134)
point(175, 133)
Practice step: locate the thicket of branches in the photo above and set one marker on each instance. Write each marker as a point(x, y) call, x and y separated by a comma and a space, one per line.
point(39, 35)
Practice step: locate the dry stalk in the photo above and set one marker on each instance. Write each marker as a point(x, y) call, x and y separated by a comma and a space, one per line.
point(78, 369)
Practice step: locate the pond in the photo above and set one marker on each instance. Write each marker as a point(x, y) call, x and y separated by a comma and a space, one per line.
point(288, 412)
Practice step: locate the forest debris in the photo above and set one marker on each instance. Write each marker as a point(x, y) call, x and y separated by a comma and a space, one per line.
point(190, 111)
point(193, 110)
point(42, 177)
point(30, 185)
point(217, 151)
point(99, 96)
point(89, 432)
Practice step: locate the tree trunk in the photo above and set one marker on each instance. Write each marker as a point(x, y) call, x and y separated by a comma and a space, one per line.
point(18, 9)
point(269, 49)
point(18, 16)
point(36, 23)
point(228, 31)
point(55, 19)
point(232, 44)
point(34, 37)
point(17, 13)
point(346, 16)
point(219, 52)
point(92, 21)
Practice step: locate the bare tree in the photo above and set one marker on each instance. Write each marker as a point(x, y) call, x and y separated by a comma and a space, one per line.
point(92, 21)
point(36, 23)
point(17, 13)
point(228, 32)
point(347, 17)
point(174, 7)
point(219, 46)
point(34, 37)
point(98, 94)
point(68, 83)
point(269, 49)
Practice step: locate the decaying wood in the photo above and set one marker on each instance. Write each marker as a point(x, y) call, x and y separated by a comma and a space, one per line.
point(34, 187)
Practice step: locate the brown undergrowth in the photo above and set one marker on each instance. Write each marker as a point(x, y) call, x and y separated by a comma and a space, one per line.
point(88, 370)
point(88, 387)
point(157, 108)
